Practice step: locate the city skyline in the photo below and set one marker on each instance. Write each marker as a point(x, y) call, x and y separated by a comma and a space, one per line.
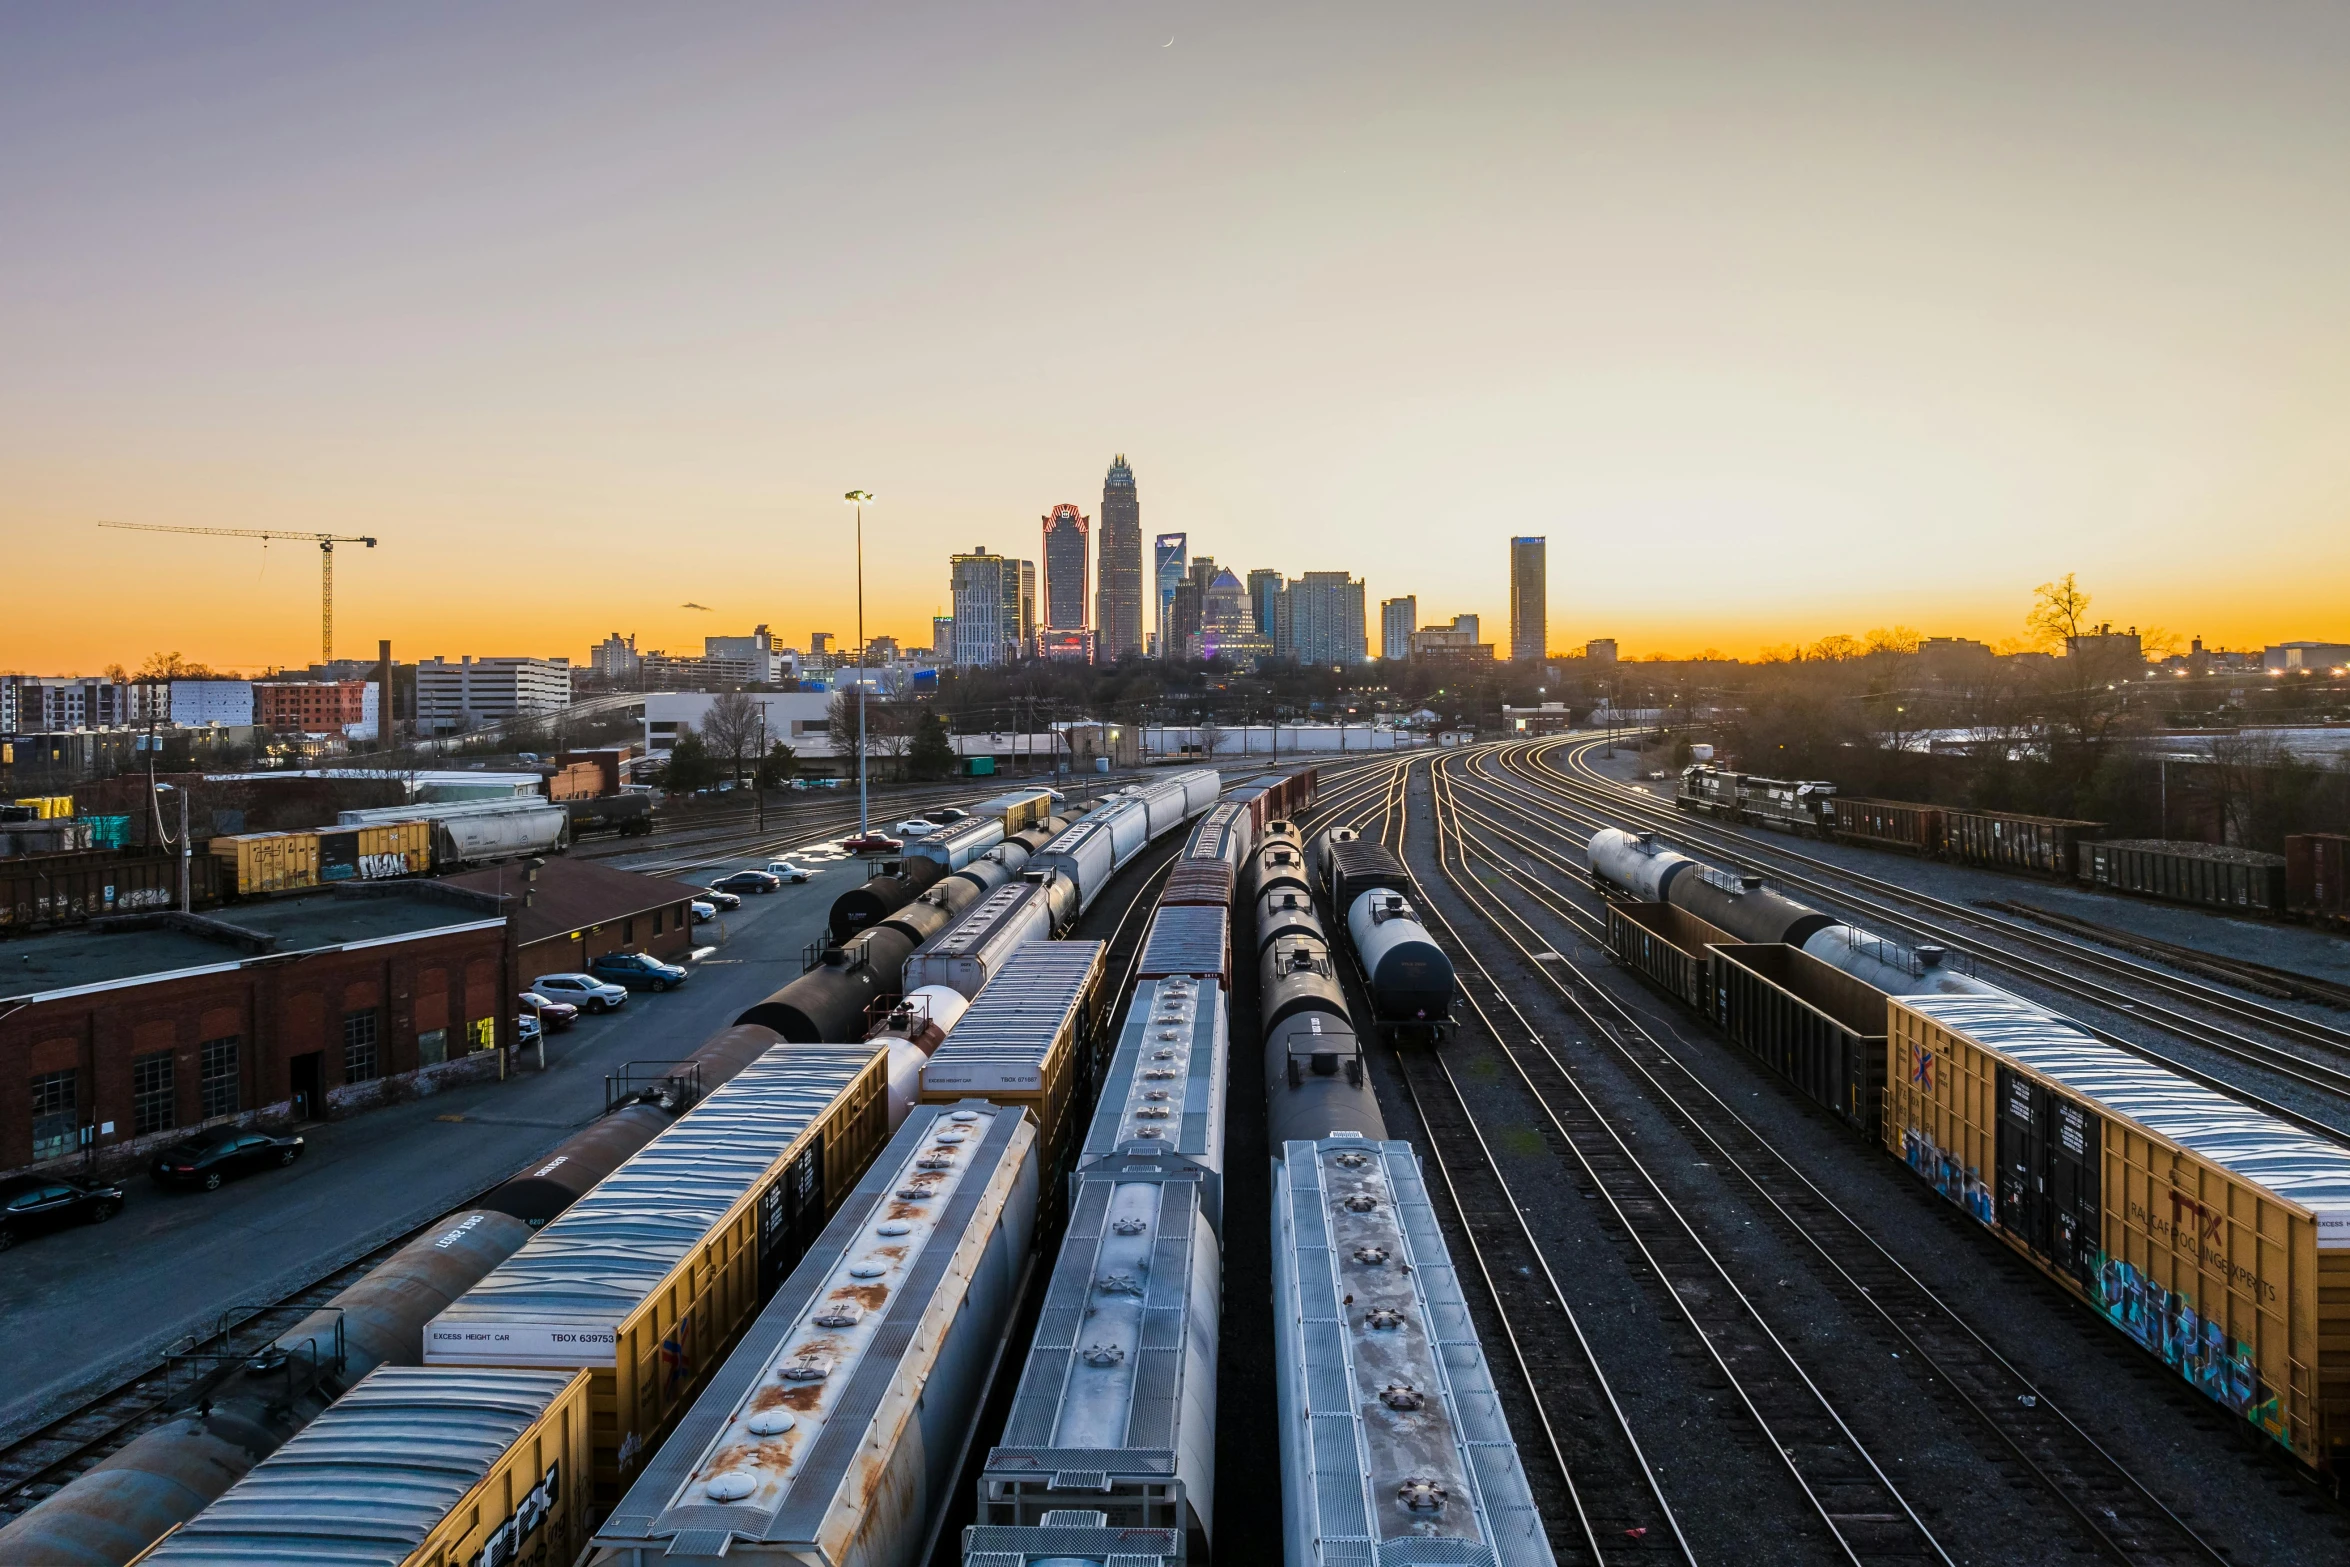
point(1708, 304)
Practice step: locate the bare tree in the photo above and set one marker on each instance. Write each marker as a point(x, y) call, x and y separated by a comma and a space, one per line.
point(732, 729)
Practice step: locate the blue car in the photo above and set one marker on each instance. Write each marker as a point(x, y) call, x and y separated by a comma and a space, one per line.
point(637, 971)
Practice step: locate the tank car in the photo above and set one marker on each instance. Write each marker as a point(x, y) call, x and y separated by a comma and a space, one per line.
point(1410, 979)
point(1285, 911)
point(1277, 863)
point(1743, 906)
point(1295, 974)
point(828, 1004)
point(1635, 864)
point(1357, 866)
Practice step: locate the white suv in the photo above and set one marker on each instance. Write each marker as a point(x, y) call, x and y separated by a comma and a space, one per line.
point(583, 991)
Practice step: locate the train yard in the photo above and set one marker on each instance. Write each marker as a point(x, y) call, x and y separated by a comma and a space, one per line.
point(1551, 1123)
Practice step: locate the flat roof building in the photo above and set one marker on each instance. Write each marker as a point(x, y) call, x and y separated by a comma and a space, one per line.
point(1529, 599)
point(477, 691)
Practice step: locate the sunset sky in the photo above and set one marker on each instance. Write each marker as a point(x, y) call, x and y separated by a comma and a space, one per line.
point(1778, 320)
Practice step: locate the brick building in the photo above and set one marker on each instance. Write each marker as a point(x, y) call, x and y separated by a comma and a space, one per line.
point(123, 1035)
point(568, 913)
point(311, 707)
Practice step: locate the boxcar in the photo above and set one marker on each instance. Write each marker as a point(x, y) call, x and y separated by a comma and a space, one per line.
point(417, 1466)
point(2008, 841)
point(2213, 1234)
point(1667, 947)
point(262, 862)
point(1889, 824)
point(2317, 875)
point(1814, 1025)
point(1191, 939)
point(1208, 881)
point(835, 1433)
point(2208, 875)
point(1016, 809)
point(1024, 1039)
point(88, 884)
point(646, 1279)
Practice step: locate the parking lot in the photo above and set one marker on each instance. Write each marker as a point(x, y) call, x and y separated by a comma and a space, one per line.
point(88, 1305)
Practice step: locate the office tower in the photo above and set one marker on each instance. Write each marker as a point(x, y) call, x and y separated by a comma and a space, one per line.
point(942, 638)
point(820, 642)
point(980, 622)
point(1068, 551)
point(1019, 628)
point(1228, 623)
point(1263, 585)
point(1529, 599)
point(1181, 636)
point(1326, 618)
point(1118, 579)
point(1168, 566)
point(1465, 625)
point(1398, 619)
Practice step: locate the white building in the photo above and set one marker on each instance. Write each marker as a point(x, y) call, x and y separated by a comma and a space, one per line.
point(477, 691)
point(52, 704)
point(2320, 656)
point(767, 661)
point(198, 704)
point(800, 719)
point(615, 658)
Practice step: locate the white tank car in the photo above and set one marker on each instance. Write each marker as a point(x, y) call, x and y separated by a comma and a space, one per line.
point(1411, 980)
point(1891, 967)
point(914, 1029)
point(1635, 863)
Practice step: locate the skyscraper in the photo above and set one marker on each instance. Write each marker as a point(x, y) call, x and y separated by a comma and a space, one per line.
point(1169, 554)
point(1019, 610)
point(979, 593)
point(1264, 587)
point(1529, 599)
point(1118, 579)
point(1326, 618)
point(1228, 623)
point(1398, 619)
point(1068, 547)
point(942, 638)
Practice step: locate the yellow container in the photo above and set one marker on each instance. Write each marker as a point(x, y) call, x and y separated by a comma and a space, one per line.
point(48, 807)
point(294, 861)
point(259, 862)
point(2129, 1185)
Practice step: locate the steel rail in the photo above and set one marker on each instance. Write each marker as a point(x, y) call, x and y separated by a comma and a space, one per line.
point(2124, 1517)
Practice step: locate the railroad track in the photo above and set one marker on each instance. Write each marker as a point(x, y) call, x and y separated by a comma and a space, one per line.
point(35, 1465)
point(2242, 1048)
point(2042, 1444)
point(1595, 1461)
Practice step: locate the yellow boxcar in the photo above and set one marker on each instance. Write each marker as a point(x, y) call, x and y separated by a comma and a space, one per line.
point(427, 1466)
point(647, 1280)
point(2215, 1235)
point(1020, 1042)
point(48, 807)
point(262, 862)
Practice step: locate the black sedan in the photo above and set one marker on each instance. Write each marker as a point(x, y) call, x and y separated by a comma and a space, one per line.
point(723, 899)
point(207, 1161)
point(747, 881)
point(30, 1204)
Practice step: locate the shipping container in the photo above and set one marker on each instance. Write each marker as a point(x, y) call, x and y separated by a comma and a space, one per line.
point(257, 863)
point(1890, 824)
point(1115, 1411)
point(1394, 1447)
point(1198, 881)
point(47, 807)
point(417, 1466)
point(2008, 840)
point(1814, 1025)
point(968, 953)
point(66, 888)
point(1190, 939)
point(835, 1434)
point(2215, 1235)
point(648, 1278)
point(2207, 875)
point(1163, 1095)
point(1667, 947)
point(1016, 809)
point(1026, 1038)
point(2317, 875)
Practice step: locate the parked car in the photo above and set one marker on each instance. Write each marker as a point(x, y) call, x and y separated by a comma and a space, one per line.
point(583, 991)
point(1058, 796)
point(638, 971)
point(557, 1015)
point(704, 910)
point(747, 881)
point(788, 871)
point(723, 900)
point(950, 813)
point(526, 1030)
point(799, 784)
point(209, 1160)
point(872, 843)
point(915, 827)
point(30, 1204)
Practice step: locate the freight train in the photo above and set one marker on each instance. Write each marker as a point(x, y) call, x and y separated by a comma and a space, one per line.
point(1411, 981)
point(2033, 1126)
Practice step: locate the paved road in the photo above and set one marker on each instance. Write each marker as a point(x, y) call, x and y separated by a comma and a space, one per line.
point(86, 1307)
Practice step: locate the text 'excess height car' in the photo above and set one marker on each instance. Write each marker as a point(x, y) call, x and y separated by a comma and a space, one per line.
point(207, 1161)
point(583, 991)
point(638, 971)
point(30, 1204)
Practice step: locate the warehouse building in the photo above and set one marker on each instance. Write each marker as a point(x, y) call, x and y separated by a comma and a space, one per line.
point(568, 913)
point(125, 1034)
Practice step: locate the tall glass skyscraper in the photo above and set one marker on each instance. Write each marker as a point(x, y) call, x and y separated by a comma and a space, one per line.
point(1068, 543)
point(1170, 554)
point(1118, 579)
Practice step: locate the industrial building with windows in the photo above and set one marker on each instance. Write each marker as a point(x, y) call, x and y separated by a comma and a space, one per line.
point(477, 691)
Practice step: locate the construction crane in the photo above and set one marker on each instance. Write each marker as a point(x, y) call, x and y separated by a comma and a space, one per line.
point(326, 543)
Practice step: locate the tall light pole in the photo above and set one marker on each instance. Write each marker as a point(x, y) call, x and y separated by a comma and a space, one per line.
point(860, 499)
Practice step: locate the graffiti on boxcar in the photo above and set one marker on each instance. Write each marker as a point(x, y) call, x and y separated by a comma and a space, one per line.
point(2194, 1223)
point(2197, 1348)
point(1961, 1183)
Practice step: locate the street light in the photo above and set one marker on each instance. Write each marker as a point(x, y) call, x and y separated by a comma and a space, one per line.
point(861, 499)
